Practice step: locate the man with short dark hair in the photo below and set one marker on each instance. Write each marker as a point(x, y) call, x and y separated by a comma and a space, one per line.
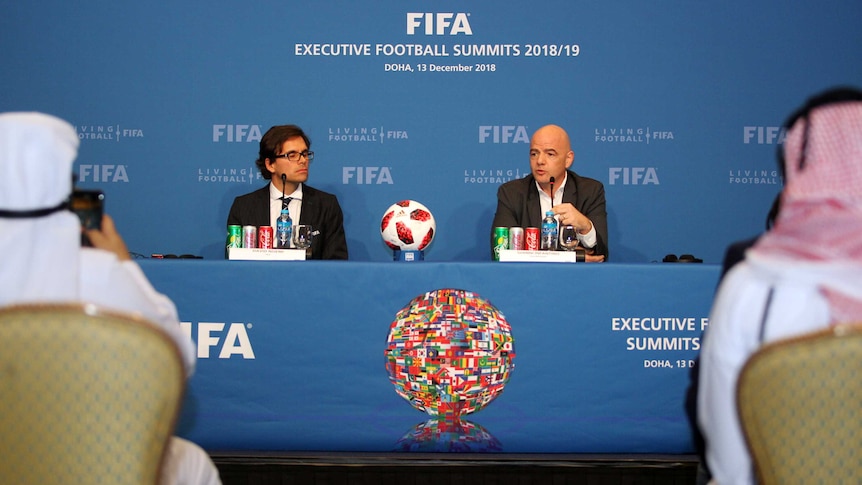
point(284, 159)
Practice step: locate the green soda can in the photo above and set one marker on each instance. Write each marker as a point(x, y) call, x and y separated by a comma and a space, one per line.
point(501, 241)
point(234, 237)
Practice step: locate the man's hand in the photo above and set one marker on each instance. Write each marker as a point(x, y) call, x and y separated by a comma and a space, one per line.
point(592, 257)
point(109, 239)
point(569, 216)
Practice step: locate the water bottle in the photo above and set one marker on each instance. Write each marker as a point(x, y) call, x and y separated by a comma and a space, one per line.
point(283, 230)
point(549, 233)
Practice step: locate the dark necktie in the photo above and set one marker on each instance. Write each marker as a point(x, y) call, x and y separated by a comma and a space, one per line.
point(285, 201)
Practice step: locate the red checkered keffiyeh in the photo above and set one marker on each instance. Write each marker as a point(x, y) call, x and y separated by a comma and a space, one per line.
point(821, 205)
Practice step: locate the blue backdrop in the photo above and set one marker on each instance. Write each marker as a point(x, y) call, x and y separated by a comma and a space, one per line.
point(673, 105)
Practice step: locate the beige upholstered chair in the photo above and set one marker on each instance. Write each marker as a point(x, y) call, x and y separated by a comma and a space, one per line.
point(800, 406)
point(86, 396)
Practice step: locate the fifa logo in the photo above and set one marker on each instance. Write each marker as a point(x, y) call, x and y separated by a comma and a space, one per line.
point(633, 176)
point(234, 342)
point(503, 134)
point(439, 23)
point(763, 135)
point(236, 133)
point(366, 175)
point(102, 173)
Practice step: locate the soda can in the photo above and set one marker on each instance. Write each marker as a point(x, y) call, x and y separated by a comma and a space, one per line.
point(234, 236)
point(264, 237)
point(531, 239)
point(249, 236)
point(516, 238)
point(501, 241)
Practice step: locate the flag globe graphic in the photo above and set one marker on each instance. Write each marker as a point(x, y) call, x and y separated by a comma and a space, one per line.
point(449, 353)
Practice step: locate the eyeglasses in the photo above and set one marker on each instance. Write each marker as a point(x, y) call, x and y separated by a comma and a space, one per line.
point(295, 156)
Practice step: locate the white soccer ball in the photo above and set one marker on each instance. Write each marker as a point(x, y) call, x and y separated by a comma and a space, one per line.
point(408, 226)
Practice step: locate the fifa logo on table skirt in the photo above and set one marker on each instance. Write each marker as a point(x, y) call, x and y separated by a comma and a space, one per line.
point(222, 339)
point(107, 132)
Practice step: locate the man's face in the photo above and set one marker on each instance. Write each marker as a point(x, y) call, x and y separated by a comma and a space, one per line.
point(550, 155)
point(296, 172)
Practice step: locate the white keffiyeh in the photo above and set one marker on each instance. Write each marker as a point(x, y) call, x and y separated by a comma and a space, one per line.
point(38, 256)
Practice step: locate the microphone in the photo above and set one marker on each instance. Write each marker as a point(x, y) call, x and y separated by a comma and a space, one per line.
point(283, 195)
point(552, 205)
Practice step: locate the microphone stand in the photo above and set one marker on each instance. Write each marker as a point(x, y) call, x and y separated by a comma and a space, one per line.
point(552, 203)
point(283, 195)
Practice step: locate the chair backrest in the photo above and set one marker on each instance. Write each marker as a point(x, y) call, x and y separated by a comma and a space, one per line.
point(800, 407)
point(86, 395)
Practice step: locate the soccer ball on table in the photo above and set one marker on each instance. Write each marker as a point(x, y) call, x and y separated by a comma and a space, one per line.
point(407, 226)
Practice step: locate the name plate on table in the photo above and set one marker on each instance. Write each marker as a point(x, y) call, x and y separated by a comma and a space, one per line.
point(521, 256)
point(259, 254)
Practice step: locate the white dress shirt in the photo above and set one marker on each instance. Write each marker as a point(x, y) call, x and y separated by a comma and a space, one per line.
point(587, 240)
point(797, 306)
point(294, 207)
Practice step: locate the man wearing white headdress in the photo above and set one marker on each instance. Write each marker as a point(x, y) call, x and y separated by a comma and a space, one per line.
point(803, 275)
point(43, 260)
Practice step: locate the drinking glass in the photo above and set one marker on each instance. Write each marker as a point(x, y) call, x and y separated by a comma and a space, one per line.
point(302, 235)
point(568, 238)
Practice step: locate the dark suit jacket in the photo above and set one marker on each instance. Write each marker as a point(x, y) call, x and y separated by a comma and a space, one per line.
point(320, 209)
point(518, 205)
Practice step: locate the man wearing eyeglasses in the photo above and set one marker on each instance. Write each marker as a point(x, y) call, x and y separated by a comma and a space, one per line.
point(284, 160)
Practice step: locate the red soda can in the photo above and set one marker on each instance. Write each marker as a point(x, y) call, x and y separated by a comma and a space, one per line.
point(531, 239)
point(264, 237)
point(516, 238)
point(249, 236)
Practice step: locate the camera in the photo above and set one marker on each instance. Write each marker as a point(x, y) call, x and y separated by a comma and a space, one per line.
point(89, 205)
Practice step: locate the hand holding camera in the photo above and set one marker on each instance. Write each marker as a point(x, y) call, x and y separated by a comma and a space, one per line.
point(97, 228)
point(108, 239)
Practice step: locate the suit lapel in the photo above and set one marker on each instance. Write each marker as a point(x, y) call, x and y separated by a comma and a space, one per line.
point(309, 208)
point(570, 193)
point(534, 208)
point(261, 208)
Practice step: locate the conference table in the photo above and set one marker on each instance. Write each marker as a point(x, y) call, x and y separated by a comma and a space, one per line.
point(291, 354)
